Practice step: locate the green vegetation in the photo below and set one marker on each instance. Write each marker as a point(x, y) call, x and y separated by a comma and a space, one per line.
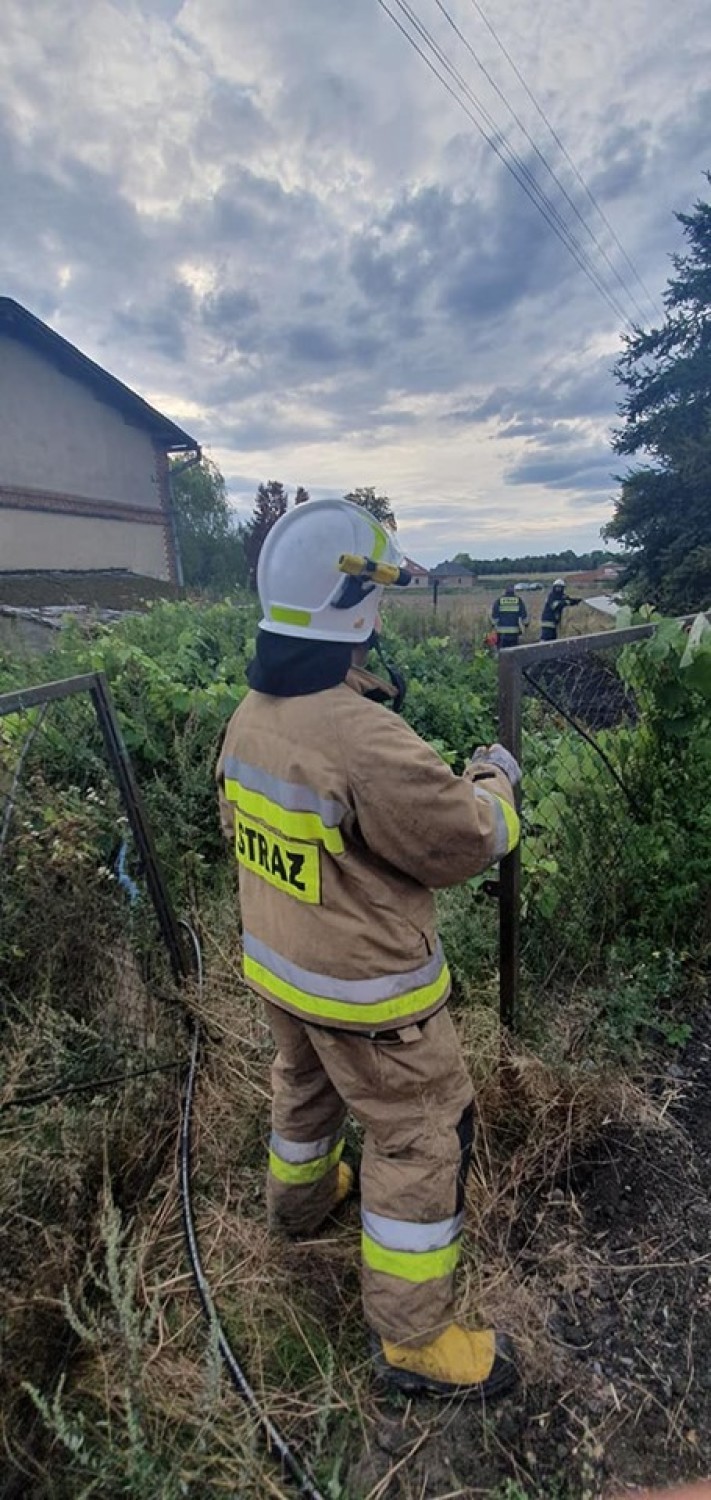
point(379, 506)
point(663, 515)
point(111, 1385)
point(545, 562)
point(211, 545)
point(616, 853)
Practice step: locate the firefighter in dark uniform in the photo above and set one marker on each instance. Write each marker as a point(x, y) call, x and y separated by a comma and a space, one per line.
point(553, 608)
point(509, 615)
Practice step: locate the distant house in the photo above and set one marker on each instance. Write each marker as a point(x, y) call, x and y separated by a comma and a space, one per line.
point(452, 576)
point(607, 574)
point(420, 578)
point(84, 480)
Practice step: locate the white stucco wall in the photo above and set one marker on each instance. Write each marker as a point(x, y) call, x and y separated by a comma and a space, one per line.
point(55, 435)
point(38, 539)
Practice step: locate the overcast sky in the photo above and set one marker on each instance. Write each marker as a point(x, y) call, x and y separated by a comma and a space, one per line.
point(272, 221)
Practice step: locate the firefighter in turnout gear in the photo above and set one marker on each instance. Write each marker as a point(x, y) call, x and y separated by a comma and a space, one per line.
point(344, 822)
point(509, 615)
point(553, 608)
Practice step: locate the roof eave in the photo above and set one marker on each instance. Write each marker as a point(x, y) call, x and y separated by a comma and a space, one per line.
point(18, 323)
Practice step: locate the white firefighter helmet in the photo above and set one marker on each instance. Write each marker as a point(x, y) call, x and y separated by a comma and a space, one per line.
point(322, 569)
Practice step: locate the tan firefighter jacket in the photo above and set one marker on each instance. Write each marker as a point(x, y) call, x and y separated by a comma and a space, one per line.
point(344, 821)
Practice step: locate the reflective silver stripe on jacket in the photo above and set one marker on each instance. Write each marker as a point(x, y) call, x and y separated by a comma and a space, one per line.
point(502, 832)
point(351, 991)
point(289, 794)
point(298, 1152)
point(402, 1234)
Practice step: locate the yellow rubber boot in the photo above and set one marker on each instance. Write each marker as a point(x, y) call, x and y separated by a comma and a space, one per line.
point(281, 1224)
point(457, 1362)
point(344, 1183)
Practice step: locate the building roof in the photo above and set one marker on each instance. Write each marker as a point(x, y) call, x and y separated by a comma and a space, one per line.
point(608, 573)
point(416, 568)
point(451, 570)
point(18, 323)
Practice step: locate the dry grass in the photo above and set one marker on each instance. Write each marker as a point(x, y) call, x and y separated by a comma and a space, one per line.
point(466, 615)
point(99, 1293)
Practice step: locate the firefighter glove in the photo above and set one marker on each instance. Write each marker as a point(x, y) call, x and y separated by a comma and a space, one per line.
point(496, 755)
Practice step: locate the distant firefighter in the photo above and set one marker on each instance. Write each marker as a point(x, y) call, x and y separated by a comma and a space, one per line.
point(553, 608)
point(509, 615)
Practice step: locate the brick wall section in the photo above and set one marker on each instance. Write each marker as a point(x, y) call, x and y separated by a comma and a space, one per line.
point(15, 497)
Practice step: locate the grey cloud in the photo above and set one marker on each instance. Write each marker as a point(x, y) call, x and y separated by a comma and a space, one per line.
point(538, 428)
point(230, 308)
point(577, 469)
point(249, 205)
point(471, 260)
point(159, 325)
point(230, 124)
point(529, 409)
point(624, 156)
point(313, 344)
point(362, 248)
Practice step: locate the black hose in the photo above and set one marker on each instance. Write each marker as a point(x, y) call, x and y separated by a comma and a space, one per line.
point(96, 1085)
point(276, 1444)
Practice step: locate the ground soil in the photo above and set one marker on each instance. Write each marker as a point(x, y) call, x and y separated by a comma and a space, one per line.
point(625, 1399)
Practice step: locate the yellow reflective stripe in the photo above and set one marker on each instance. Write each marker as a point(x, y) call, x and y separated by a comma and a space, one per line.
point(296, 1173)
point(512, 821)
point(294, 825)
point(380, 542)
point(422, 1265)
point(343, 1010)
point(285, 616)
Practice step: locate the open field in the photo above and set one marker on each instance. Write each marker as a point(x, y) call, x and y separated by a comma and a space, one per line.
point(468, 611)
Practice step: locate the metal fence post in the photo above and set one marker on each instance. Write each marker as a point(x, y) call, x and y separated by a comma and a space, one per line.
point(140, 827)
point(510, 691)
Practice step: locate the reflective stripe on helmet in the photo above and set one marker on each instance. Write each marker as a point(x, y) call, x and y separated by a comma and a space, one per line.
point(380, 542)
point(390, 998)
point(284, 616)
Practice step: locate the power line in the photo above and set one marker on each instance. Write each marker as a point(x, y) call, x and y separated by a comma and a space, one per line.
point(520, 170)
point(565, 232)
point(516, 167)
point(562, 147)
point(628, 291)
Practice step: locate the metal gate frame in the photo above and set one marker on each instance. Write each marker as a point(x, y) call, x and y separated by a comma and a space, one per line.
point(96, 686)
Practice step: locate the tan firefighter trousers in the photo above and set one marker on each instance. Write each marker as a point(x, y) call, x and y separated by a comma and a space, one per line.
point(411, 1093)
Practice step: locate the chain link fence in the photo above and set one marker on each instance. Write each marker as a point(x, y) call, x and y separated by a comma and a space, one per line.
point(575, 712)
point(89, 948)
